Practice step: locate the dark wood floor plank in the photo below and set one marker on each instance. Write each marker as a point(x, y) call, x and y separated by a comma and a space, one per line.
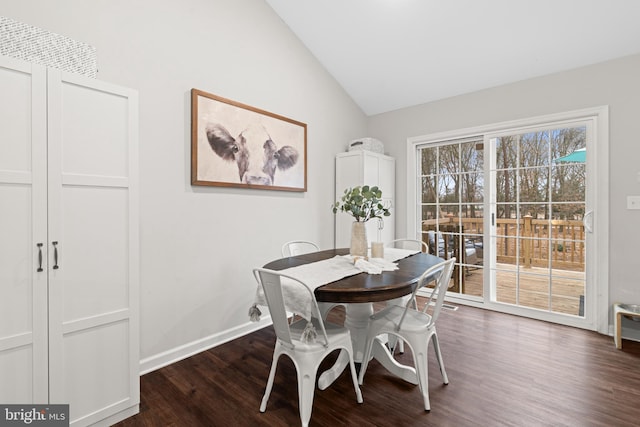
point(503, 371)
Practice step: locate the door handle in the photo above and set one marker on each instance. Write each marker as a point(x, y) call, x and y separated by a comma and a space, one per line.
point(55, 255)
point(39, 245)
point(587, 221)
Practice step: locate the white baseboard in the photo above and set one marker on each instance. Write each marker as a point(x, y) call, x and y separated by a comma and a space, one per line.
point(116, 418)
point(182, 352)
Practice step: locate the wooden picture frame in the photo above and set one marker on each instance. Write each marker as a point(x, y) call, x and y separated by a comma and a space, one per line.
point(236, 145)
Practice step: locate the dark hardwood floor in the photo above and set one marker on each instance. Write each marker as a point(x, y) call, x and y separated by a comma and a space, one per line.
point(503, 371)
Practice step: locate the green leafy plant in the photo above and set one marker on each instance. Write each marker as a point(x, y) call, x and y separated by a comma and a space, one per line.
point(362, 203)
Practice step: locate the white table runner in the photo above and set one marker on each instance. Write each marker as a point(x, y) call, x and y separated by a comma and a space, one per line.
point(320, 273)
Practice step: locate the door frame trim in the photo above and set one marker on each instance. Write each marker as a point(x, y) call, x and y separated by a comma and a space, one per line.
point(599, 193)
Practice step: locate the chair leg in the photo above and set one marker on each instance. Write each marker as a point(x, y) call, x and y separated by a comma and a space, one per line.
point(399, 344)
point(436, 347)
point(422, 370)
point(272, 374)
point(395, 342)
point(306, 389)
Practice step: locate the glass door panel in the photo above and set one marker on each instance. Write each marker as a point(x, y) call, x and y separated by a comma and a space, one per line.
point(538, 204)
point(452, 209)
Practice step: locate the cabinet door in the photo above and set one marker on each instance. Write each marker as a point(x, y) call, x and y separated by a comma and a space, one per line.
point(93, 225)
point(386, 182)
point(23, 289)
point(382, 230)
point(349, 173)
point(379, 170)
point(387, 177)
point(371, 167)
point(365, 168)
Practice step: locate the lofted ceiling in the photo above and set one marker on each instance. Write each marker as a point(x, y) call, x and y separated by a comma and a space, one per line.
point(391, 54)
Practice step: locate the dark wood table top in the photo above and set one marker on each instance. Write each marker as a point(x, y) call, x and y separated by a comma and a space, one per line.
point(363, 287)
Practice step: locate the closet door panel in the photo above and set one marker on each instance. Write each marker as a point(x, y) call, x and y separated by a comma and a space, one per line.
point(16, 373)
point(16, 296)
point(23, 290)
point(95, 132)
point(15, 260)
point(94, 253)
point(15, 110)
point(16, 194)
point(93, 219)
point(387, 177)
point(370, 170)
point(94, 233)
point(105, 346)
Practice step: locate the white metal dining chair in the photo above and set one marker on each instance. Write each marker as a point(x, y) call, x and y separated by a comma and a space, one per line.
point(298, 247)
point(306, 343)
point(416, 327)
point(410, 244)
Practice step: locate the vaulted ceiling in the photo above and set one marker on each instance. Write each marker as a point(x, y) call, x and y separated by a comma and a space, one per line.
point(391, 54)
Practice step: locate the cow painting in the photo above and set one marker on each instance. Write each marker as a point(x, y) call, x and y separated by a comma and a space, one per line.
point(255, 153)
point(236, 145)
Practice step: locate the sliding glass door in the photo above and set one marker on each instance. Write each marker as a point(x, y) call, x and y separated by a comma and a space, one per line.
point(514, 204)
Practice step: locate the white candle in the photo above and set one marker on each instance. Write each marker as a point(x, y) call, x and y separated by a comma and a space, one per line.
point(377, 250)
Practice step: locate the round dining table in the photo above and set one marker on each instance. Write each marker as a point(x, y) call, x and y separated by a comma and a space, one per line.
point(358, 293)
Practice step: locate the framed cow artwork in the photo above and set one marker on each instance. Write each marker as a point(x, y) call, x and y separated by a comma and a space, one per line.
point(235, 145)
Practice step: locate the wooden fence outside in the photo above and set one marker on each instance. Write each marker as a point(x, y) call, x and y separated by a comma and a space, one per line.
point(543, 243)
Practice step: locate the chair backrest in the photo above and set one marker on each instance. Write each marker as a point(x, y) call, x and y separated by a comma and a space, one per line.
point(271, 282)
point(408, 244)
point(441, 273)
point(439, 246)
point(298, 247)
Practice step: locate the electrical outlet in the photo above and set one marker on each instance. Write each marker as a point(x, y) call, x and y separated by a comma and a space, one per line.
point(633, 202)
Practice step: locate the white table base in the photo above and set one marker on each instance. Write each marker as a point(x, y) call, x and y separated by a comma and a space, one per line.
point(357, 321)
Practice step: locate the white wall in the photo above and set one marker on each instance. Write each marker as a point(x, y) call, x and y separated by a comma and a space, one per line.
point(614, 83)
point(199, 244)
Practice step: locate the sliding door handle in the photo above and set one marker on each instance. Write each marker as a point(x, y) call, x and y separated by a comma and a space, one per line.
point(55, 255)
point(587, 221)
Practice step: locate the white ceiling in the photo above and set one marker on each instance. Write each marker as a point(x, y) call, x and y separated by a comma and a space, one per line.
point(390, 54)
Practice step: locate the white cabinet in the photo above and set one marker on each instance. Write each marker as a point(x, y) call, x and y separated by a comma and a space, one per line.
point(365, 168)
point(68, 243)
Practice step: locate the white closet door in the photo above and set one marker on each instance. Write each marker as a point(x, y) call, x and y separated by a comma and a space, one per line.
point(23, 211)
point(93, 219)
point(370, 169)
point(359, 168)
